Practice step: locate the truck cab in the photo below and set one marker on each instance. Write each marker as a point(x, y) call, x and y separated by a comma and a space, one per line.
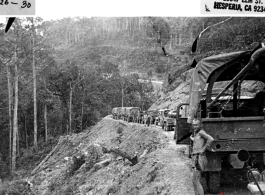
point(170, 120)
point(115, 112)
point(131, 113)
point(153, 115)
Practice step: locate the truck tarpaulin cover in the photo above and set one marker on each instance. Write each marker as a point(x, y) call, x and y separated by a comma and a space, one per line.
point(200, 76)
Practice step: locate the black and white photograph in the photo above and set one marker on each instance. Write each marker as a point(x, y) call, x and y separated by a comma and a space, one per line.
point(153, 101)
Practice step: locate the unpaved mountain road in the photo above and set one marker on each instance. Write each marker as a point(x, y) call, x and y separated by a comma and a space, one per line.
point(233, 185)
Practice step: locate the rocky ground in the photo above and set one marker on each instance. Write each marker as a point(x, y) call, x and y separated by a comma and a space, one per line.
point(162, 168)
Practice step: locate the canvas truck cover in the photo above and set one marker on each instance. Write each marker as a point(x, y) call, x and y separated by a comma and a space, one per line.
point(123, 109)
point(200, 76)
point(127, 111)
point(119, 110)
point(133, 111)
point(114, 110)
point(153, 113)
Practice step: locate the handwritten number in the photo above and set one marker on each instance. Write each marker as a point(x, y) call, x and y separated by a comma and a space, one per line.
point(25, 4)
point(4, 2)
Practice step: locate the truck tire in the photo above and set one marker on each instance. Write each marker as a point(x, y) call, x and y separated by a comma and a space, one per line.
point(214, 182)
point(204, 182)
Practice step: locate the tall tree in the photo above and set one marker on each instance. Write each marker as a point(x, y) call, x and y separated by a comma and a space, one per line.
point(34, 87)
point(15, 119)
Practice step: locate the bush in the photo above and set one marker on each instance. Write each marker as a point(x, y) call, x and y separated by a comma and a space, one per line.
point(54, 184)
point(18, 187)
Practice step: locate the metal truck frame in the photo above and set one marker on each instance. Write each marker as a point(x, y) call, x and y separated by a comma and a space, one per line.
point(237, 125)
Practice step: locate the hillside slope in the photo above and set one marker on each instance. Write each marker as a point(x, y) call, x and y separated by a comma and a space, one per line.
point(162, 167)
point(179, 95)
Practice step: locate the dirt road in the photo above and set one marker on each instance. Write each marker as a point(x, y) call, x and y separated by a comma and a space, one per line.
point(233, 184)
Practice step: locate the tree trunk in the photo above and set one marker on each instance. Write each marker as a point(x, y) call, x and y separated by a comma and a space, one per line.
point(132, 159)
point(18, 149)
point(62, 117)
point(70, 108)
point(26, 134)
point(9, 113)
point(103, 27)
point(15, 120)
point(180, 39)
point(66, 37)
point(34, 92)
point(82, 113)
point(122, 96)
point(170, 42)
point(45, 122)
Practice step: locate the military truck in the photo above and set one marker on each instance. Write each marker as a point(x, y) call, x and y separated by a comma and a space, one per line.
point(237, 124)
point(116, 112)
point(139, 116)
point(153, 114)
point(170, 121)
point(131, 113)
point(162, 115)
point(182, 128)
point(123, 113)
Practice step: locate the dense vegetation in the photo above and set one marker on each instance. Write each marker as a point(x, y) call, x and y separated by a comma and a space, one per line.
point(81, 66)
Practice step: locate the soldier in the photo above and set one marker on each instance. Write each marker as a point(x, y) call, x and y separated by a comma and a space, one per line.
point(201, 140)
point(148, 119)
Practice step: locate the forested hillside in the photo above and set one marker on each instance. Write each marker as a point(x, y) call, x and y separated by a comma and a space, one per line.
point(60, 77)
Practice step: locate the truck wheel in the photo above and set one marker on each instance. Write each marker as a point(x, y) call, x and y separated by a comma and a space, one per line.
point(214, 182)
point(204, 182)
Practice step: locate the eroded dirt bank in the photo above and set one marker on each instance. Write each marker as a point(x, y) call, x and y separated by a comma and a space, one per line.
point(162, 167)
